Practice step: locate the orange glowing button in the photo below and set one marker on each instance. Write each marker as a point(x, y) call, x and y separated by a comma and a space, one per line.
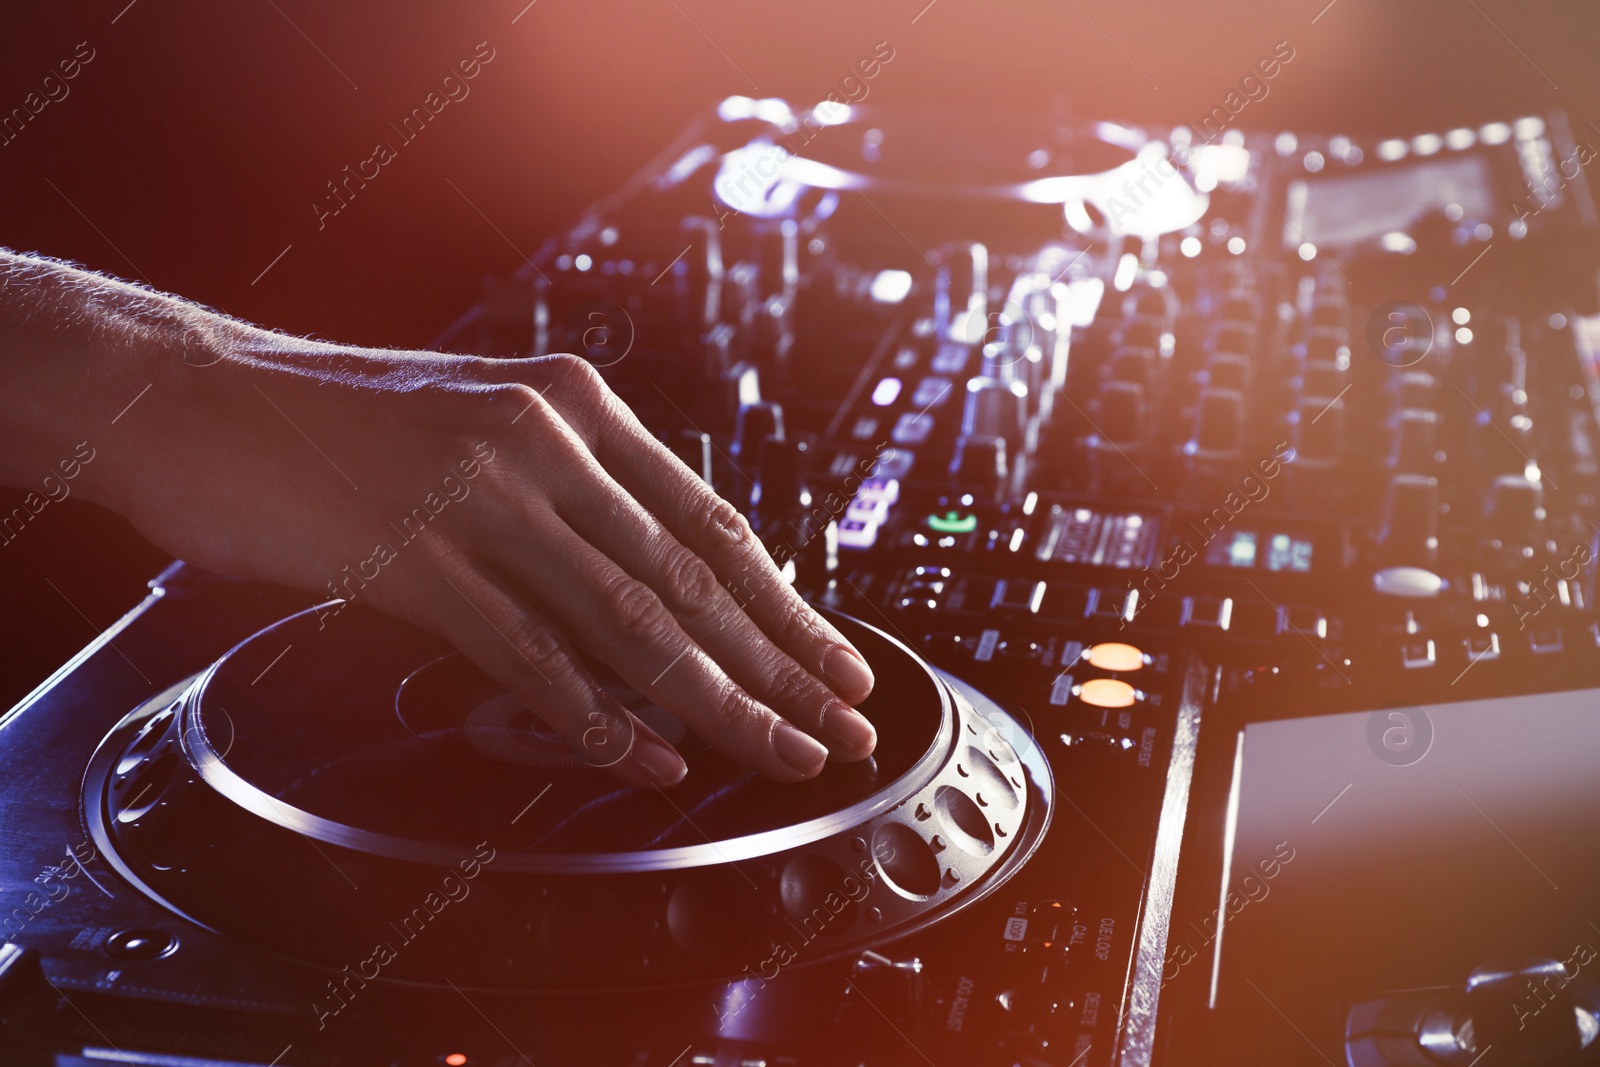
point(1112, 656)
point(456, 1059)
point(1108, 693)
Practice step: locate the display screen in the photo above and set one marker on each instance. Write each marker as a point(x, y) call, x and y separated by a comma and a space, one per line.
point(1347, 209)
point(1243, 549)
point(1400, 848)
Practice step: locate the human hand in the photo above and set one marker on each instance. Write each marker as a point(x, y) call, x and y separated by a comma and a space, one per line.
point(516, 507)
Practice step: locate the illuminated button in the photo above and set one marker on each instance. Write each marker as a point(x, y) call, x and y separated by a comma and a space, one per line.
point(1114, 656)
point(931, 392)
point(874, 510)
point(884, 489)
point(953, 522)
point(886, 392)
point(911, 429)
point(1108, 693)
point(891, 286)
point(456, 1059)
point(857, 533)
point(894, 466)
point(1413, 583)
point(951, 359)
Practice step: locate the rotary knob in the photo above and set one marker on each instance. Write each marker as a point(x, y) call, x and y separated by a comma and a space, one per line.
point(1219, 424)
point(754, 424)
point(1410, 532)
point(1514, 508)
point(961, 292)
point(1416, 435)
point(1319, 433)
point(780, 487)
point(980, 464)
point(996, 409)
point(1122, 414)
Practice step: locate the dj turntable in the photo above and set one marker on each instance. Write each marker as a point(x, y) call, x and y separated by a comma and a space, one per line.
point(1217, 512)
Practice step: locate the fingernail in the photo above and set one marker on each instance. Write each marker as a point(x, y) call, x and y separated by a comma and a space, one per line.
point(798, 750)
point(660, 763)
point(847, 673)
point(848, 727)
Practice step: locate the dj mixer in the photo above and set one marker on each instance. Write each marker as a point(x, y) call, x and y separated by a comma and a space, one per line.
point(1216, 508)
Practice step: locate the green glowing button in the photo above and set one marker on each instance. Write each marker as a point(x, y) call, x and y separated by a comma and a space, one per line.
point(953, 522)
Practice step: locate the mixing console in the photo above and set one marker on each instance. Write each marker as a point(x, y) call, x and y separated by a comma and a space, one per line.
point(1218, 515)
point(1333, 461)
point(1113, 425)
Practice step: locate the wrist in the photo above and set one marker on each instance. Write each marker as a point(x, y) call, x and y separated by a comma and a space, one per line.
point(156, 364)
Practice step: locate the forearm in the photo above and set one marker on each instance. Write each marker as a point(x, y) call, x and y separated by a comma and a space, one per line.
point(144, 380)
point(266, 456)
point(79, 353)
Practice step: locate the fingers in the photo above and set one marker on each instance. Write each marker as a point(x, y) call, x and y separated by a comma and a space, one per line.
point(714, 619)
point(517, 646)
point(714, 530)
point(708, 526)
point(619, 619)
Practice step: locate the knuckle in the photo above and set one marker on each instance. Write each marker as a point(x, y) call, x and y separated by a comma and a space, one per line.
point(796, 623)
point(790, 684)
point(537, 423)
point(633, 611)
point(538, 647)
point(722, 523)
point(574, 373)
point(691, 582)
point(733, 712)
point(522, 404)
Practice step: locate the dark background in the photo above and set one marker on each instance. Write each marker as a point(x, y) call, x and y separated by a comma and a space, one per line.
point(190, 150)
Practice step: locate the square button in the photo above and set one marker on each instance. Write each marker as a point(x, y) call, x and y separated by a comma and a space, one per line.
point(1015, 594)
point(1482, 646)
point(1302, 619)
point(1114, 604)
point(854, 533)
point(1207, 612)
point(912, 429)
point(1417, 654)
point(886, 489)
point(1546, 639)
point(894, 464)
point(1064, 603)
point(931, 392)
point(872, 509)
point(843, 464)
point(951, 359)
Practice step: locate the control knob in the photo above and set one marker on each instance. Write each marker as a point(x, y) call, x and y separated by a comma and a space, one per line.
point(997, 409)
point(980, 464)
point(1410, 532)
